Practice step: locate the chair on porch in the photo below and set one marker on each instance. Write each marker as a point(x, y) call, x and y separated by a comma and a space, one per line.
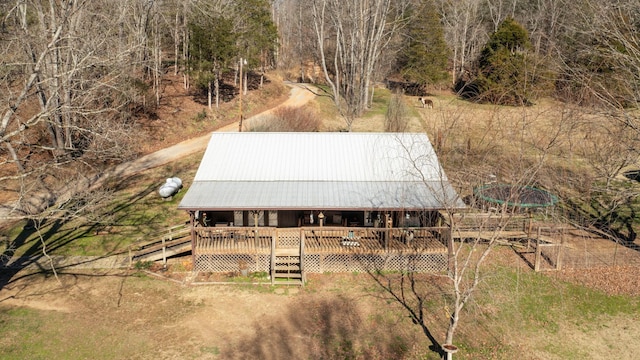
point(350, 239)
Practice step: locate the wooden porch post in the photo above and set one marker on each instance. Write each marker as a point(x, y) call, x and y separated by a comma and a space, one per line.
point(193, 238)
point(256, 216)
point(389, 225)
point(560, 250)
point(274, 236)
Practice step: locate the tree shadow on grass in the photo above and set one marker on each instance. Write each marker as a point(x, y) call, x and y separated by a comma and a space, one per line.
point(59, 233)
point(21, 285)
point(323, 328)
point(619, 225)
point(14, 268)
point(406, 289)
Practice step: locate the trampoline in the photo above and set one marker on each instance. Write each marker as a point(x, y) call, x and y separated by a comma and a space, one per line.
point(632, 175)
point(515, 195)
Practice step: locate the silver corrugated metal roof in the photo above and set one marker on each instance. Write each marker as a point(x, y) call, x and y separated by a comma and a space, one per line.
point(319, 171)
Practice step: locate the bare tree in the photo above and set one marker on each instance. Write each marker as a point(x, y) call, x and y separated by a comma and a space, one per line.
point(600, 71)
point(465, 32)
point(64, 83)
point(545, 24)
point(396, 119)
point(475, 233)
point(468, 258)
point(297, 45)
point(351, 36)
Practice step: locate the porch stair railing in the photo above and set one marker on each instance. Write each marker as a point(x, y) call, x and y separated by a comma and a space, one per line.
point(287, 263)
point(176, 240)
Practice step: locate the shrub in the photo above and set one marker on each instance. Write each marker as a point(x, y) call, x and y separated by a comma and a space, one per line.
point(508, 73)
point(396, 119)
point(289, 119)
point(143, 265)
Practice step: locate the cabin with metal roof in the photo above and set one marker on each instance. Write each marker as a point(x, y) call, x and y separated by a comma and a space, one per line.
point(320, 198)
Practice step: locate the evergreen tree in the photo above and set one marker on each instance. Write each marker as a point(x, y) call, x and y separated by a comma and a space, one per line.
point(212, 46)
point(425, 54)
point(507, 72)
point(258, 35)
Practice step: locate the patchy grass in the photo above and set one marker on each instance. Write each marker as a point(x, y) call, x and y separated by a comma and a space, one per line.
point(380, 103)
point(517, 314)
point(34, 334)
point(134, 213)
point(537, 311)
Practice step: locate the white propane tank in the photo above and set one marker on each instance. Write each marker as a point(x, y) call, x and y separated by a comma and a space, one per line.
point(170, 187)
point(176, 181)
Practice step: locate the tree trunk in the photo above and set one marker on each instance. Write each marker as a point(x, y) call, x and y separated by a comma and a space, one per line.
point(176, 42)
point(217, 85)
point(209, 94)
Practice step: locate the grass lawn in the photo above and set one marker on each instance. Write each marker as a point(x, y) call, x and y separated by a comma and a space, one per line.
point(133, 212)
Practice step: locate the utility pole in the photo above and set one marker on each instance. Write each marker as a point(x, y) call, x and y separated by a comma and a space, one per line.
point(241, 90)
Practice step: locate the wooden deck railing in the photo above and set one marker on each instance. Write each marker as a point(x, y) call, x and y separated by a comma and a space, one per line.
point(174, 241)
point(210, 240)
point(221, 240)
point(483, 225)
point(340, 239)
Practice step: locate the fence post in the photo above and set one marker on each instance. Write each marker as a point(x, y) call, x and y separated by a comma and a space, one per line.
point(164, 252)
point(302, 274)
point(536, 267)
point(560, 250)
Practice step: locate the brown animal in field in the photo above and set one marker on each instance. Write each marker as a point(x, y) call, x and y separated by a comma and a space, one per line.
point(426, 103)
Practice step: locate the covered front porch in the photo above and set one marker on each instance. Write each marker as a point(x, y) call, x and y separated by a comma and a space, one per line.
point(321, 249)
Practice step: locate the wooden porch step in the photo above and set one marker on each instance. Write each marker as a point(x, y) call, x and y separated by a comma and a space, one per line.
point(297, 282)
point(278, 275)
point(287, 252)
point(288, 267)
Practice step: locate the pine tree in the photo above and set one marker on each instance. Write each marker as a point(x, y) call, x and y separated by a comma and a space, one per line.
point(425, 54)
point(258, 35)
point(507, 72)
point(212, 46)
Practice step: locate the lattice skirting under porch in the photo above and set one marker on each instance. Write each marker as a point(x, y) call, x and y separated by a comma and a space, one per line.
point(320, 263)
point(232, 262)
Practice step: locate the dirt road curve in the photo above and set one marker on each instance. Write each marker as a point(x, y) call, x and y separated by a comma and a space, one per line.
point(299, 95)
